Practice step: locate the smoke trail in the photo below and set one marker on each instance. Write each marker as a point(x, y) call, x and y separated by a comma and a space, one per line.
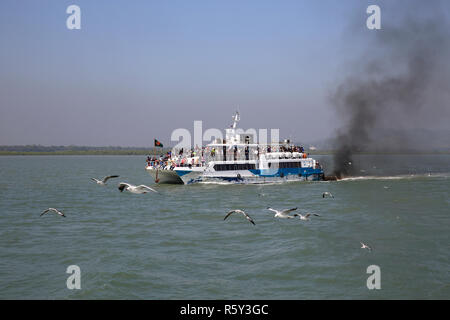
point(399, 79)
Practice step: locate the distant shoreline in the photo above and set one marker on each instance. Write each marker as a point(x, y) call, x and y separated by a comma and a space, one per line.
point(77, 153)
point(36, 150)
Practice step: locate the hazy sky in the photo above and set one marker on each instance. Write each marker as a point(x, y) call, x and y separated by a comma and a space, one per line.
point(137, 70)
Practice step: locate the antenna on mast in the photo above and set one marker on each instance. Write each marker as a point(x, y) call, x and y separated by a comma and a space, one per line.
point(236, 118)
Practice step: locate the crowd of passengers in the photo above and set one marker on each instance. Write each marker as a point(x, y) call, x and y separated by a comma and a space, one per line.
point(197, 155)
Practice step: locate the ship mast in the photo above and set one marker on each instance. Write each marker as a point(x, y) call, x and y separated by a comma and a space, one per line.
point(230, 133)
point(235, 118)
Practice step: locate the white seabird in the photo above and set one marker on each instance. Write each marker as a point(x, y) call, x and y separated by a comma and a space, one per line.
point(135, 189)
point(326, 193)
point(103, 181)
point(365, 246)
point(53, 210)
point(283, 213)
point(242, 212)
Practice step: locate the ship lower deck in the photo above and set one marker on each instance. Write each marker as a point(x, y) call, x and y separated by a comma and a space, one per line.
point(256, 176)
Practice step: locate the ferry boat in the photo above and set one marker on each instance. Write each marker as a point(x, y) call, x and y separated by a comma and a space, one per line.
point(236, 159)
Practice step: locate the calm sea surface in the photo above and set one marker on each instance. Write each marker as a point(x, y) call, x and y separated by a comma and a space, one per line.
point(176, 245)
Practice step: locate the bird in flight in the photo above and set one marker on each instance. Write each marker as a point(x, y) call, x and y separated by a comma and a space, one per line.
point(365, 246)
point(306, 216)
point(53, 210)
point(103, 181)
point(327, 194)
point(242, 212)
point(135, 189)
point(283, 214)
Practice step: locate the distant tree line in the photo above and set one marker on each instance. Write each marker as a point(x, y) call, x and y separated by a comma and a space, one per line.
point(39, 149)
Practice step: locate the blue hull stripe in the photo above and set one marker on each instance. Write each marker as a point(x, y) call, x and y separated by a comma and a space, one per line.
point(286, 171)
point(182, 172)
point(281, 172)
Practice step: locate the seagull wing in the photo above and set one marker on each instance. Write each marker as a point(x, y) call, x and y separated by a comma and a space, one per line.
point(142, 186)
point(307, 215)
point(251, 220)
point(269, 208)
point(44, 212)
point(108, 177)
point(60, 213)
point(229, 214)
point(123, 185)
point(248, 218)
point(288, 210)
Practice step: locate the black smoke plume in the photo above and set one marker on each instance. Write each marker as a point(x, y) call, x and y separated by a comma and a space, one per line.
point(396, 87)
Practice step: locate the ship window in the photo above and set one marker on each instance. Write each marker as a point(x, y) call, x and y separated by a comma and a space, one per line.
point(235, 166)
point(287, 165)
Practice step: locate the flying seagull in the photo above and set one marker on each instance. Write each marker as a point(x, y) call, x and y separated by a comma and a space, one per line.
point(327, 194)
point(135, 189)
point(283, 213)
point(306, 216)
point(103, 181)
point(54, 210)
point(365, 246)
point(240, 211)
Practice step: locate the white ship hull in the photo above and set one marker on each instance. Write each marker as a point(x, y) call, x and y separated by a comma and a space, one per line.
point(255, 176)
point(164, 176)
